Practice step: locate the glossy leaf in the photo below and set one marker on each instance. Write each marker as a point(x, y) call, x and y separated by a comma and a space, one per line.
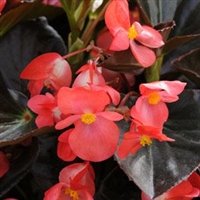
point(159, 167)
point(16, 121)
point(123, 61)
point(189, 65)
point(26, 11)
point(178, 41)
point(159, 11)
point(187, 31)
point(30, 39)
point(22, 158)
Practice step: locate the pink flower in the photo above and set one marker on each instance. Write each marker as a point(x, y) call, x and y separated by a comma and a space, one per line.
point(2, 4)
point(46, 108)
point(49, 70)
point(139, 38)
point(93, 125)
point(4, 164)
point(76, 182)
point(150, 108)
point(139, 137)
point(186, 190)
point(64, 151)
point(91, 78)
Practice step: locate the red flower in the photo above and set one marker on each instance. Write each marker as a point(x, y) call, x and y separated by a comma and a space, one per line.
point(90, 77)
point(2, 4)
point(186, 190)
point(139, 137)
point(76, 182)
point(46, 108)
point(49, 70)
point(125, 34)
point(4, 164)
point(64, 151)
point(150, 108)
point(85, 109)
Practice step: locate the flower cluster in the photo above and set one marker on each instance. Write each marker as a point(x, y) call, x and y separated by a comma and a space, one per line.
point(87, 108)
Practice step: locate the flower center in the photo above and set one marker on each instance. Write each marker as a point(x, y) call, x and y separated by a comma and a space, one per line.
point(132, 34)
point(145, 140)
point(153, 98)
point(72, 193)
point(88, 118)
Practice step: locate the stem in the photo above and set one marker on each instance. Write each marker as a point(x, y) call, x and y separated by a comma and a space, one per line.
point(88, 48)
point(153, 73)
point(90, 28)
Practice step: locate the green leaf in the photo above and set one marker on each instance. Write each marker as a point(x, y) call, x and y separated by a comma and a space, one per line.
point(189, 65)
point(161, 166)
point(27, 11)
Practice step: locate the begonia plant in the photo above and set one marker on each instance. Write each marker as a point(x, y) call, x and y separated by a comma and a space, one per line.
point(100, 100)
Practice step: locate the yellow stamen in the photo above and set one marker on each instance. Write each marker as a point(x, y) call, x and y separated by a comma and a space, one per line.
point(145, 140)
point(132, 34)
point(72, 193)
point(88, 118)
point(153, 98)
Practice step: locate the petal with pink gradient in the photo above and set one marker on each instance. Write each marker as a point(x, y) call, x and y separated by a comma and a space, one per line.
point(40, 67)
point(81, 100)
point(117, 16)
point(150, 37)
point(149, 115)
point(64, 151)
point(145, 56)
point(80, 176)
point(120, 41)
point(103, 133)
point(168, 89)
point(130, 144)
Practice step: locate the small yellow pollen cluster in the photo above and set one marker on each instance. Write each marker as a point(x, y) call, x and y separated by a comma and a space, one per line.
point(145, 140)
point(154, 98)
point(132, 34)
point(88, 118)
point(72, 193)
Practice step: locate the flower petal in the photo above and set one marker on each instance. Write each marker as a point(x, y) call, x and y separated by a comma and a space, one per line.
point(40, 67)
point(149, 115)
point(67, 122)
point(168, 90)
point(113, 116)
point(56, 192)
point(117, 16)
point(35, 87)
point(103, 133)
point(120, 41)
point(64, 151)
point(150, 37)
point(129, 145)
point(114, 94)
point(81, 100)
point(145, 56)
